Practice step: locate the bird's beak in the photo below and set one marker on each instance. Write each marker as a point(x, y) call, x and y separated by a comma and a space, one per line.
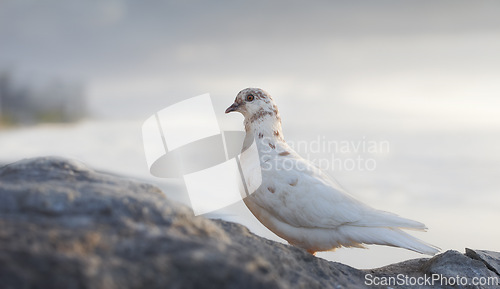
point(233, 107)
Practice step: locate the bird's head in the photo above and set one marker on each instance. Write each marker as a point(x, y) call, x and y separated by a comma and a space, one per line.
point(255, 104)
point(260, 112)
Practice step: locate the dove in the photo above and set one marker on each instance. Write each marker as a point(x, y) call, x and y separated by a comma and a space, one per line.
point(303, 205)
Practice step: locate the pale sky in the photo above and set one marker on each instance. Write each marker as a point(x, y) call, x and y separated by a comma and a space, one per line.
point(128, 52)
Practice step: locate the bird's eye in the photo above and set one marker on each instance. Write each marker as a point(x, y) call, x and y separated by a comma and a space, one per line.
point(250, 97)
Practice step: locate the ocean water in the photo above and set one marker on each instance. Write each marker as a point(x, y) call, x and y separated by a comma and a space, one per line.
point(442, 176)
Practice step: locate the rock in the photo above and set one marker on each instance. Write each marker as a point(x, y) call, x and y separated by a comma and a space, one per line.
point(489, 258)
point(63, 225)
point(452, 264)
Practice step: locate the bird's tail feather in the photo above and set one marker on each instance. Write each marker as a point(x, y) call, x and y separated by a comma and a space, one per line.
point(386, 219)
point(389, 237)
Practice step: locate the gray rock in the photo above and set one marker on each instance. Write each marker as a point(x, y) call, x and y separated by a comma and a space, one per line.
point(65, 226)
point(489, 258)
point(455, 268)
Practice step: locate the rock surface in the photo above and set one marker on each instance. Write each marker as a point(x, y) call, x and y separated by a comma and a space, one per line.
point(65, 226)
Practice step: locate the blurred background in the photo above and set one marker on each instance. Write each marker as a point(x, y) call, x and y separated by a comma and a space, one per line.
point(78, 78)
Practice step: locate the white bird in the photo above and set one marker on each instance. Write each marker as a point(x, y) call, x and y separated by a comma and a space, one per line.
point(302, 204)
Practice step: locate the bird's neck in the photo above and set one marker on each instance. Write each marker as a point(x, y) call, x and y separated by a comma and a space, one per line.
point(266, 127)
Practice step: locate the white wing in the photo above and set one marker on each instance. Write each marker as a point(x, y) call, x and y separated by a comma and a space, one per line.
point(301, 195)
